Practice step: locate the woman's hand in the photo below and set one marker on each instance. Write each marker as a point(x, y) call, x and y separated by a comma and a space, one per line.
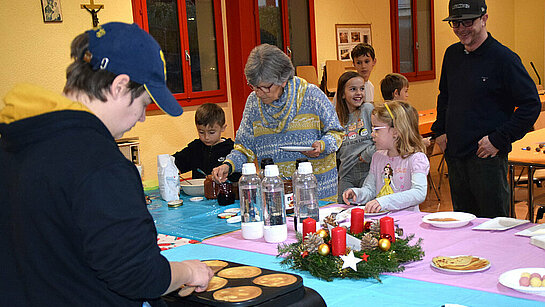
point(372, 206)
point(315, 152)
point(220, 173)
point(349, 196)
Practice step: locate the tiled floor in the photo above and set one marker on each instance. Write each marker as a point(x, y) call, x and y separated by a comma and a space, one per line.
point(445, 204)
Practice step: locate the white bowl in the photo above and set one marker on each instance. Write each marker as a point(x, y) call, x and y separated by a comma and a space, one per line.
point(461, 219)
point(196, 188)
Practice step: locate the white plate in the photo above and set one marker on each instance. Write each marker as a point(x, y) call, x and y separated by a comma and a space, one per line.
point(537, 230)
point(511, 279)
point(296, 148)
point(348, 212)
point(462, 271)
point(500, 223)
point(462, 219)
point(377, 213)
point(197, 198)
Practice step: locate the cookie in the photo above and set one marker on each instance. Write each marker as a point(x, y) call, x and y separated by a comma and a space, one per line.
point(275, 280)
point(237, 294)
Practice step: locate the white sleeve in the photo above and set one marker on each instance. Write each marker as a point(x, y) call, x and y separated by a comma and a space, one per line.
point(411, 197)
point(368, 191)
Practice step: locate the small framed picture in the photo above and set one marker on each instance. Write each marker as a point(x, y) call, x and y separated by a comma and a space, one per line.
point(350, 35)
point(51, 10)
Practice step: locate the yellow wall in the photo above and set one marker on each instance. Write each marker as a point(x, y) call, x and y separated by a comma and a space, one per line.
point(35, 52)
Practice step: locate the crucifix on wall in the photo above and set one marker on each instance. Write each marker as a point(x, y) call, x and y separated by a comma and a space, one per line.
point(93, 9)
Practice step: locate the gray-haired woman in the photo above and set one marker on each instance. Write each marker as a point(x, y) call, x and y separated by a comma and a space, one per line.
point(284, 110)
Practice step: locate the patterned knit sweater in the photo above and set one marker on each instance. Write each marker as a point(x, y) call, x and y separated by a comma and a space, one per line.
point(301, 116)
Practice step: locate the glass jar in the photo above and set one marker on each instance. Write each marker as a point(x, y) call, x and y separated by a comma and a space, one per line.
point(211, 188)
point(225, 196)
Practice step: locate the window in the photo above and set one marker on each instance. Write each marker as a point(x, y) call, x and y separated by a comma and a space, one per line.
point(413, 45)
point(289, 25)
point(191, 36)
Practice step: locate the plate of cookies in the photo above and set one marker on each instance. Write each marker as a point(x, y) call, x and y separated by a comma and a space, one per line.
point(448, 219)
point(527, 280)
point(235, 284)
point(460, 264)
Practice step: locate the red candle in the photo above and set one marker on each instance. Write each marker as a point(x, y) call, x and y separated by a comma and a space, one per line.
point(356, 221)
point(309, 225)
point(338, 241)
point(387, 227)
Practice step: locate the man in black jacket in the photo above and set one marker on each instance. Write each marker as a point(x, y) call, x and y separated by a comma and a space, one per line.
point(482, 82)
point(75, 230)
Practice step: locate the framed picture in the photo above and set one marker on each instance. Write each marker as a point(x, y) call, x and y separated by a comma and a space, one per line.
point(51, 10)
point(348, 36)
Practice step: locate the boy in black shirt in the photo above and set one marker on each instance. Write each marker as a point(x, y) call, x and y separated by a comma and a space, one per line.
point(210, 149)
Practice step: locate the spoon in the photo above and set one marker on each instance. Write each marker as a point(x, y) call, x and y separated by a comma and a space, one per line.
point(186, 180)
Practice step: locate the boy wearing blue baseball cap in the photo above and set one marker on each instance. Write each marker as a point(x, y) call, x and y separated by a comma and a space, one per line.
point(75, 227)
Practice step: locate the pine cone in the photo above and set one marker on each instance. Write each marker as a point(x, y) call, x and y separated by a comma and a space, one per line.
point(369, 242)
point(312, 242)
point(330, 220)
point(375, 228)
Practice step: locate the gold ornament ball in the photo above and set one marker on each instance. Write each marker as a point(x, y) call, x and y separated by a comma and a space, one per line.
point(322, 233)
point(384, 244)
point(323, 249)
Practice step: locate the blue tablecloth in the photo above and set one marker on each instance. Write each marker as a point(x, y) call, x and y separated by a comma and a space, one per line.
point(192, 220)
point(393, 291)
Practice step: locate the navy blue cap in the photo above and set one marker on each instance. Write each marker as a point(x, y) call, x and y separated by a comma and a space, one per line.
point(122, 48)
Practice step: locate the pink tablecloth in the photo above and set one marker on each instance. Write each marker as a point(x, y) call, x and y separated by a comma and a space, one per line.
point(504, 250)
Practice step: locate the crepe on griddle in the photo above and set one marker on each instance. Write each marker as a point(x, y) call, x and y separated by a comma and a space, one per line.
point(216, 283)
point(237, 294)
point(275, 280)
point(240, 272)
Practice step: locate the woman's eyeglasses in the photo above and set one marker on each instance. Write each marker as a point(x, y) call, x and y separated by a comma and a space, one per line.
point(264, 89)
point(466, 23)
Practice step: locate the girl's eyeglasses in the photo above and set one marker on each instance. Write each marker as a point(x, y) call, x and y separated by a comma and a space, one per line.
point(375, 128)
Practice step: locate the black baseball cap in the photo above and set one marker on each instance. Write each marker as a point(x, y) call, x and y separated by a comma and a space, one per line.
point(465, 9)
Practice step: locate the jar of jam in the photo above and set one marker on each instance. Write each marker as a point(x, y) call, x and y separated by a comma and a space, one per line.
point(225, 196)
point(211, 188)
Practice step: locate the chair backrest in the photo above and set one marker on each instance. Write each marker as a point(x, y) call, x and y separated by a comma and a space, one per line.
point(540, 122)
point(308, 72)
point(334, 69)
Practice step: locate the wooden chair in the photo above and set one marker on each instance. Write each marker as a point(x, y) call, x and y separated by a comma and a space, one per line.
point(333, 69)
point(434, 150)
point(308, 72)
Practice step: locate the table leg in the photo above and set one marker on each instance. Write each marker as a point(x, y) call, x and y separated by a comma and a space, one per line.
point(531, 193)
point(512, 187)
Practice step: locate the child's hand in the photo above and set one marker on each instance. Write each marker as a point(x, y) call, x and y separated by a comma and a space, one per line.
point(372, 206)
point(220, 173)
point(349, 196)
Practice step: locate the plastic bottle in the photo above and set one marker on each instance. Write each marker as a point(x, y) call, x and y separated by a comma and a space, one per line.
point(264, 163)
point(274, 212)
point(293, 178)
point(251, 210)
point(306, 202)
